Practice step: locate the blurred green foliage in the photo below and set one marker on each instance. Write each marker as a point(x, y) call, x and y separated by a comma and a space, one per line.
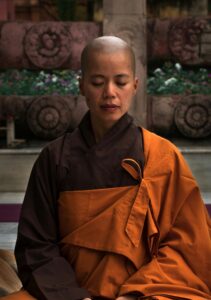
point(170, 79)
point(27, 82)
point(173, 79)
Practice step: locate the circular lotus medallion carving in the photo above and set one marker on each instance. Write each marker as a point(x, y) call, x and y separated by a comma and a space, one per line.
point(47, 45)
point(193, 116)
point(48, 117)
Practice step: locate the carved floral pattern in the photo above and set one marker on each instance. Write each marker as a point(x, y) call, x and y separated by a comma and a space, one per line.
point(184, 39)
point(47, 45)
point(47, 117)
point(193, 116)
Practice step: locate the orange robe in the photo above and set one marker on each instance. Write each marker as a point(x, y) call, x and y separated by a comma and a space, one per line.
point(152, 239)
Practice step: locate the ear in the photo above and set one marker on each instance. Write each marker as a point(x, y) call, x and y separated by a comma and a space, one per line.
point(80, 81)
point(136, 83)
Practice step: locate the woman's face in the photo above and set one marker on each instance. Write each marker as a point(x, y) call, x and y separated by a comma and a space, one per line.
point(109, 86)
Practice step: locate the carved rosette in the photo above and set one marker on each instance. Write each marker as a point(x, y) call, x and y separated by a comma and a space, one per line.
point(48, 117)
point(184, 39)
point(193, 116)
point(47, 45)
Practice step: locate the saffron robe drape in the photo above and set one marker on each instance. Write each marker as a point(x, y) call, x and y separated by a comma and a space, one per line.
point(174, 247)
point(152, 239)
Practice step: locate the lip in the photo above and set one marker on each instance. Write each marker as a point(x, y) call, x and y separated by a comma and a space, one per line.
point(105, 106)
point(109, 107)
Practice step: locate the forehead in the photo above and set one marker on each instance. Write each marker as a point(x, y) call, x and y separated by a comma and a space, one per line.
point(96, 54)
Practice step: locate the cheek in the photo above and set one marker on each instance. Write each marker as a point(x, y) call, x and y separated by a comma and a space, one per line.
point(91, 93)
point(128, 98)
point(91, 98)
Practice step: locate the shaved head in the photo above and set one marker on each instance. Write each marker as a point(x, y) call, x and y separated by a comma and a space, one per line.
point(107, 45)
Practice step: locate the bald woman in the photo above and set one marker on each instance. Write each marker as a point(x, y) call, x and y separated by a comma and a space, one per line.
point(111, 210)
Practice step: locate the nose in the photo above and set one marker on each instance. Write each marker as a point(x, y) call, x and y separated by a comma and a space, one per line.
point(109, 90)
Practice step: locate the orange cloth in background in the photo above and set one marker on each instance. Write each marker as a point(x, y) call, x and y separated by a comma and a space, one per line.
point(153, 238)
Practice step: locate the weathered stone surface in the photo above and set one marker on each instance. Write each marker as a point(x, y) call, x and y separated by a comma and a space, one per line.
point(185, 40)
point(157, 36)
point(206, 49)
point(161, 114)
point(123, 6)
point(47, 116)
point(188, 116)
point(47, 46)
point(206, 37)
point(193, 116)
point(11, 106)
point(44, 45)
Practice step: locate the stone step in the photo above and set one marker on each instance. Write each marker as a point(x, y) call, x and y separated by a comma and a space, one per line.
point(200, 165)
point(11, 198)
point(8, 235)
point(15, 168)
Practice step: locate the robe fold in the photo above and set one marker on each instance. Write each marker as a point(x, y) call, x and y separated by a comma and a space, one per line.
point(124, 216)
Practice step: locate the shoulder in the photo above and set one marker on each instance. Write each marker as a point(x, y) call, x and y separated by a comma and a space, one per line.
point(56, 149)
point(157, 145)
point(162, 156)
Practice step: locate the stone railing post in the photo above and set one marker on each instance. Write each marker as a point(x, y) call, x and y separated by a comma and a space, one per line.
point(127, 20)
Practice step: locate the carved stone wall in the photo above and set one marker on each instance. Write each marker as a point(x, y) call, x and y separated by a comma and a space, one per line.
point(50, 116)
point(185, 40)
point(49, 45)
point(45, 116)
point(188, 116)
point(44, 45)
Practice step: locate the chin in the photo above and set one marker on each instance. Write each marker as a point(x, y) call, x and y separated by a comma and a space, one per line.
point(112, 119)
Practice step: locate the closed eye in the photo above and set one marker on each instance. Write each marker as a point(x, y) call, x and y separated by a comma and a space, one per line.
point(97, 83)
point(121, 83)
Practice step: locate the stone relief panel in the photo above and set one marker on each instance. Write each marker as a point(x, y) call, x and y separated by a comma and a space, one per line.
point(47, 46)
point(44, 45)
point(11, 106)
point(188, 116)
point(193, 116)
point(157, 33)
point(48, 117)
point(185, 40)
point(160, 114)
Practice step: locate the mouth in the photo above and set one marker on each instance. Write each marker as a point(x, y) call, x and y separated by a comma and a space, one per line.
point(109, 107)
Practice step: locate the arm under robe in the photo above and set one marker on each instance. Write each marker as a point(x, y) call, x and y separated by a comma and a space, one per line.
point(182, 264)
point(45, 274)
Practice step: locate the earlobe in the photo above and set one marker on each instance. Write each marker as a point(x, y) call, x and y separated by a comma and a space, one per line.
point(81, 86)
point(136, 82)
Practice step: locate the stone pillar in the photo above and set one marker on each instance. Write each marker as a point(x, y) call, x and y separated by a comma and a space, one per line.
point(199, 8)
point(7, 10)
point(127, 20)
